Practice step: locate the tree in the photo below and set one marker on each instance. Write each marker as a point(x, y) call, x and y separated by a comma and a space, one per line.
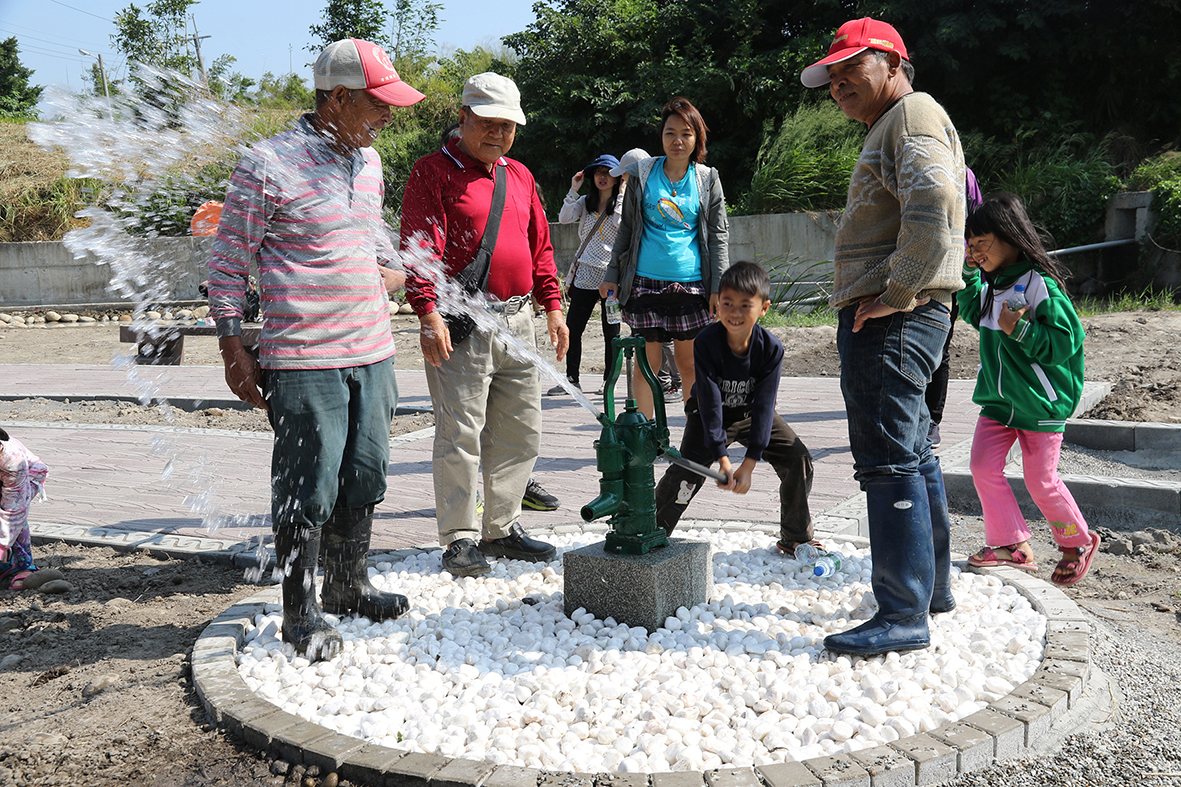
point(225, 83)
point(158, 39)
point(412, 34)
point(17, 96)
point(283, 92)
point(363, 19)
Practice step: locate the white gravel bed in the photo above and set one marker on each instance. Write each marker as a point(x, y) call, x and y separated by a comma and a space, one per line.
point(490, 668)
point(1151, 465)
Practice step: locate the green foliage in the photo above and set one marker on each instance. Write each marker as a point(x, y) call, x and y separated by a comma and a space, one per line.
point(1149, 299)
point(1162, 176)
point(17, 97)
point(283, 92)
point(363, 19)
point(807, 164)
point(594, 74)
point(158, 38)
point(1065, 179)
point(227, 84)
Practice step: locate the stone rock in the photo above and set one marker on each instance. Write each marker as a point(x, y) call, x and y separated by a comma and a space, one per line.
point(36, 319)
point(153, 315)
point(39, 578)
point(184, 314)
point(5, 318)
point(87, 318)
point(280, 767)
point(201, 311)
point(405, 309)
point(47, 739)
point(100, 684)
point(69, 318)
point(56, 587)
point(1141, 537)
point(1119, 546)
point(52, 316)
point(18, 320)
point(10, 661)
point(167, 316)
point(1144, 549)
point(124, 318)
point(1170, 540)
point(9, 623)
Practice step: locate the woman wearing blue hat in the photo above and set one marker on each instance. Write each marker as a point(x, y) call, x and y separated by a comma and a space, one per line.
point(598, 216)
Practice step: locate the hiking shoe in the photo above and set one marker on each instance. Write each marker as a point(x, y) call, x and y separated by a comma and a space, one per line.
point(537, 498)
point(464, 559)
point(933, 434)
point(672, 394)
point(518, 546)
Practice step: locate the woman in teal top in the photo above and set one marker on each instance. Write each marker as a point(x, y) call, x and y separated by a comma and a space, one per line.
point(670, 251)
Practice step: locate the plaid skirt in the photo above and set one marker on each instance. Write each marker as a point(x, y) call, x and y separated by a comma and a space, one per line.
point(674, 306)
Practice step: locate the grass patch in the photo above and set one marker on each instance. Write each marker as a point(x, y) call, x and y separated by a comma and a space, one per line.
point(1148, 299)
point(799, 318)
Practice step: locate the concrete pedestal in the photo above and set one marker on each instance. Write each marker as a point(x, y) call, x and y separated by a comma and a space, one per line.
point(639, 590)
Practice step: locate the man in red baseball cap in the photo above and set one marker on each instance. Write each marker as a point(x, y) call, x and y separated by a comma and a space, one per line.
point(305, 206)
point(899, 251)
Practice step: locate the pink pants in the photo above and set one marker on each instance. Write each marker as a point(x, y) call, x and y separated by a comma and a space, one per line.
point(1003, 523)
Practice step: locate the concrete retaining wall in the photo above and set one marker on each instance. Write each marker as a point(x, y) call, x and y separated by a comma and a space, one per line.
point(36, 274)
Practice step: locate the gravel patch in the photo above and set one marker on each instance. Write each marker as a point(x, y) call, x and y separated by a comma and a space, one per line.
point(1151, 465)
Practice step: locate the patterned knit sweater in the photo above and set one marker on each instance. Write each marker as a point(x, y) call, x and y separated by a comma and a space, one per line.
point(902, 233)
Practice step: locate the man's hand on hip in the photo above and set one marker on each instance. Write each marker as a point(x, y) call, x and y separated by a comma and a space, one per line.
point(242, 373)
point(559, 334)
point(434, 338)
point(872, 308)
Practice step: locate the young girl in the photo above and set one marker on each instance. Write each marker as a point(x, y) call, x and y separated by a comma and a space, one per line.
point(598, 217)
point(22, 476)
point(1030, 381)
point(671, 249)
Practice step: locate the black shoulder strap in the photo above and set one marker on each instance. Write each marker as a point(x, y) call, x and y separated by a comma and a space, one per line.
point(475, 276)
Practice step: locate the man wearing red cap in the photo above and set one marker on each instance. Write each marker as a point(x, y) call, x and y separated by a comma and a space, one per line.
point(899, 251)
point(306, 207)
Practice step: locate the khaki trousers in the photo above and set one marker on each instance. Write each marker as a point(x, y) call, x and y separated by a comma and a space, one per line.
point(487, 414)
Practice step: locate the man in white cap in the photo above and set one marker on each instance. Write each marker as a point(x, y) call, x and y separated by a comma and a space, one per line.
point(899, 253)
point(306, 207)
point(486, 400)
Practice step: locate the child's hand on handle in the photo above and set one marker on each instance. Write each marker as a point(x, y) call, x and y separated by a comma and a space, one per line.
point(576, 181)
point(741, 479)
point(725, 468)
point(1009, 319)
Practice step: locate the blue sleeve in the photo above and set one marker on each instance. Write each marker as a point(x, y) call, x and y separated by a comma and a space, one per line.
point(709, 396)
point(764, 395)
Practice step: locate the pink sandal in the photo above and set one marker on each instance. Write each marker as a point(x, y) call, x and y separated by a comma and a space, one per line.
point(988, 558)
point(1069, 571)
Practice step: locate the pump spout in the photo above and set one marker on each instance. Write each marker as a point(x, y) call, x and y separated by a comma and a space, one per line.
point(605, 504)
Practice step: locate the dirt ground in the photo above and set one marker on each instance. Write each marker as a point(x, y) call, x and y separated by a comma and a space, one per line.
point(95, 681)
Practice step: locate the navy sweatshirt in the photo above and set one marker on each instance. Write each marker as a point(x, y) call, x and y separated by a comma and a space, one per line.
point(730, 387)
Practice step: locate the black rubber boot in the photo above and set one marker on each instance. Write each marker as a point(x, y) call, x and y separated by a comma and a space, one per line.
point(941, 598)
point(347, 590)
point(903, 569)
point(297, 551)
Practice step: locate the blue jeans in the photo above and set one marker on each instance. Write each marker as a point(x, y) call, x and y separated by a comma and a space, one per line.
point(885, 368)
point(332, 439)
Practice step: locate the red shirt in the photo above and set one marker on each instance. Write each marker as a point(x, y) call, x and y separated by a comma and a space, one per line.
point(444, 211)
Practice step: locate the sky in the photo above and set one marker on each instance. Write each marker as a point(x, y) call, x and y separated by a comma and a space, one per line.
point(264, 35)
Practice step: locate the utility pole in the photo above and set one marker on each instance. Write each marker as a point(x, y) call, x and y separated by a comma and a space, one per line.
point(102, 72)
point(197, 44)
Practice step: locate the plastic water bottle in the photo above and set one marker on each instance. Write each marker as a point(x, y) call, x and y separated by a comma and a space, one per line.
point(614, 310)
point(808, 553)
point(1017, 302)
point(827, 564)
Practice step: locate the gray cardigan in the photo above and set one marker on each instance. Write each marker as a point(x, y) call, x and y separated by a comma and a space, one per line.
point(713, 232)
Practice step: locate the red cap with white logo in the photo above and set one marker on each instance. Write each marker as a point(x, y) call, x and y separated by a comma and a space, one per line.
point(852, 39)
point(360, 65)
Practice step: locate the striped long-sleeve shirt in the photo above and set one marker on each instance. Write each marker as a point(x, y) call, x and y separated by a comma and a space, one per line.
point(311, 219)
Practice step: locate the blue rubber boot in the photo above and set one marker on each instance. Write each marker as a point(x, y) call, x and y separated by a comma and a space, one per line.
point(941, 598)
point(903, 570)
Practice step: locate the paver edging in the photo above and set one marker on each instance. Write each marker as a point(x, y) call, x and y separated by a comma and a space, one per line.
point(220, 688)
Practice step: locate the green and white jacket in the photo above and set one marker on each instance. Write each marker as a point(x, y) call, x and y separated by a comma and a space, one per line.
point(1032, 379)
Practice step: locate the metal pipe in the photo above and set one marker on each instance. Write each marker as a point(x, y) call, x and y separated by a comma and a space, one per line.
point(1091, 247)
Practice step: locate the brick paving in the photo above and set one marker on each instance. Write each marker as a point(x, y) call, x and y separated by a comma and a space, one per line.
point(164, 479)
